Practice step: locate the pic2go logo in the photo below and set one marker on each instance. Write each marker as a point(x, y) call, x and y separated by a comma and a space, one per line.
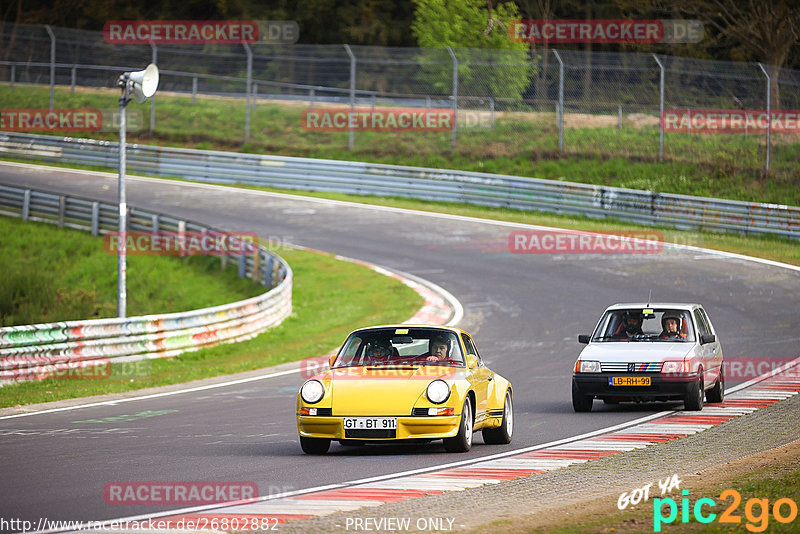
point(784, 510)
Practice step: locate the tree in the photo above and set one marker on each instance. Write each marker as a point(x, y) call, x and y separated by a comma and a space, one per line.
point(768, 29)
point(471, 27)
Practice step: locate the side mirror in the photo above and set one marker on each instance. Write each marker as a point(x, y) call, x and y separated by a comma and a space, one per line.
point(331, 360)
point(707, 338)
point(584, 338)
point(472, 361)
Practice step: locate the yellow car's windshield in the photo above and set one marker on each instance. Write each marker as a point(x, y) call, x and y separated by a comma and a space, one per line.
point(400, 346)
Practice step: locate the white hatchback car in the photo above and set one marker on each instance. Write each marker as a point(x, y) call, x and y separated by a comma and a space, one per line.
point(650, 352)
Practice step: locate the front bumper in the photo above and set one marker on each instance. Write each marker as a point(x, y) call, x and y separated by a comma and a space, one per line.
point(421, 427)
point(662, 387)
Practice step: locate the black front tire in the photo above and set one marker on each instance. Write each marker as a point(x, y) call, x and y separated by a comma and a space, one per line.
point(462, 442)
point(502, 434)
point(581, 402)
point(693, 400)
point(315, 445)
point(717, 393)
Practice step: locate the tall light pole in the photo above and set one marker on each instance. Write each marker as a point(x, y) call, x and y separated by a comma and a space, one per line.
point(140, 85)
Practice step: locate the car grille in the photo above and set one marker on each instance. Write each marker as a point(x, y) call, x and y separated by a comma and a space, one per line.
point(630, 367)
point(419, 412)
point(325, 411)
point(372, 433)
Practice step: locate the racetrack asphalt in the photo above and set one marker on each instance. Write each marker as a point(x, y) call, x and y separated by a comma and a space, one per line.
point(525, 311)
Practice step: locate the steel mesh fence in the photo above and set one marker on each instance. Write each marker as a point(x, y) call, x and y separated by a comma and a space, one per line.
point(504, 102)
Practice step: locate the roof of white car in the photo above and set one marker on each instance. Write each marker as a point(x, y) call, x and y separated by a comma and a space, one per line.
point(659, 305)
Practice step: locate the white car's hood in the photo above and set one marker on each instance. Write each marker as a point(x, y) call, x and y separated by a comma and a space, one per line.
point(636, 351)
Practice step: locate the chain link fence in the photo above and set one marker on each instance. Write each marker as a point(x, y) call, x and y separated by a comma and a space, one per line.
point(546, 102)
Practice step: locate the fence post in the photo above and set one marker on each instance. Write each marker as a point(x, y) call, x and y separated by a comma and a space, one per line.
point(455, 98)
point(95, 218)
point(660, 111)
point(182, 236)
point(255, 95)
point(269, 272)
point(560, 102)
point(62, 208)
point(26, 204)
point(73, 76)
point(52, 64)
point(242, 265)
point(154, 61)
point(769, 113)
point(619, 119)
point(491, 110)
point(194, 89)
point(256, 265)
point(247, 92)
point(311, 99)
point(352, 93)
point(13, 73)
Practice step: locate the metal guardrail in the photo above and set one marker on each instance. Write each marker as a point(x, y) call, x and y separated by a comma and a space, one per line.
point(643, 207)
point(34, 351)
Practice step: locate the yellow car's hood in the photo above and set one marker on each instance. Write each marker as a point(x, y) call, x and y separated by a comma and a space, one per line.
point(381, 391)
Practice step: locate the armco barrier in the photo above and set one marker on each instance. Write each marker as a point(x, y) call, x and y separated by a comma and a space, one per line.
point(643, 207)
point(34, 351)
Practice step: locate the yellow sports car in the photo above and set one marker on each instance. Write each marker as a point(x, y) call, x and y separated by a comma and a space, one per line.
point(405, 382)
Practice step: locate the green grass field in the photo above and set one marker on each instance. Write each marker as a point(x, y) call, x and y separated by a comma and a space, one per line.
point(330, 298)
point(720, 165)
point(52, 274)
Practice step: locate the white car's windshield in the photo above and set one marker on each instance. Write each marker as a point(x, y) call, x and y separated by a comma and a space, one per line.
point(648, 324)
point(393, 346)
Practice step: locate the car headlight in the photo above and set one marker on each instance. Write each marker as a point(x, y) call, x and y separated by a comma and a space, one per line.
point(676, 367)
point(587, 366)
point(438, 391)
point(312, 391)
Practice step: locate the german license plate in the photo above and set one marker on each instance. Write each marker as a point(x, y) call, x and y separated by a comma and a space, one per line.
point(629, 381)
point(370, 423)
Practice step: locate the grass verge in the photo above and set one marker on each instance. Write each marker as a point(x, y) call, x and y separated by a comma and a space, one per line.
point(52, 274)
point(524, 144)
point(330, 298)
